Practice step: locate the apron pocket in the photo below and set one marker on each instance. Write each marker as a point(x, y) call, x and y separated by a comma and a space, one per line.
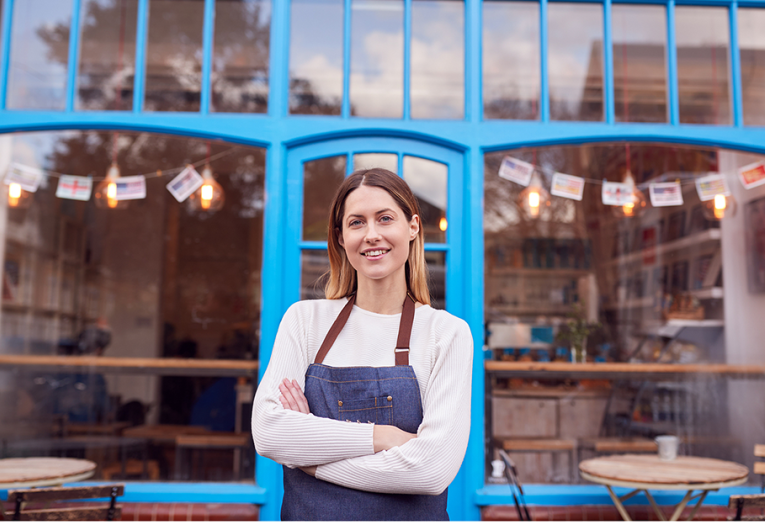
point(369, 410)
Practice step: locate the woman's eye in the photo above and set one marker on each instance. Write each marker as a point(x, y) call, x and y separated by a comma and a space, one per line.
point(386, 218)
point(355, 222)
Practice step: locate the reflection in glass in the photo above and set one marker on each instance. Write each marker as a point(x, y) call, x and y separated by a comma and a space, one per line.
point(437, 271)
point(428, 180)
point(639, 51)
point(751, 43)
point(316, 57)
point(152, 281)
point(702, 64)
point(174, 55)
point(575, 61)
point(321, 178)
point(377, 58)
point(240, 56)
point(39, 54)
point(314, 264)
point(107, 54)
point(387, 161)
point(511, 80)
point(437, 65)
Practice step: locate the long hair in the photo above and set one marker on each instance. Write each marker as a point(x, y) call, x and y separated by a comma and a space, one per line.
point(342, 276)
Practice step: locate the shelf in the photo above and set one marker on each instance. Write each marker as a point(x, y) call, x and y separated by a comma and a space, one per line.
point(713, 234)
point(521, 271)
point(638, 371)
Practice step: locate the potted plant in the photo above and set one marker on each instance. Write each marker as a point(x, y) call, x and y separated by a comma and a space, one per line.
point(573, 334)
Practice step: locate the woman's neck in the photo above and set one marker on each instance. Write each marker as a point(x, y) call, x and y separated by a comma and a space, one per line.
point(385, 296)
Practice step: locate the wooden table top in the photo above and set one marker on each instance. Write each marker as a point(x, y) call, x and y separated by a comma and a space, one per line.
point(35, 472)
point(163, 432)
point(649, 472)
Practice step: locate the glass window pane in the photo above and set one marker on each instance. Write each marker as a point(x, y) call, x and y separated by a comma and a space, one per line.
point(316, 57)
point(702, 64)
point(314, 264)
point(387, 161)
point(575, 61)
point(437, 271)
point(156, 280)
point(640, 74)
point(39, 54)
point(321, 178)
point(174, 55)
point(377, 58)
point(107, 54)
point(240, 56)
point(437, 67)
point(428, 180)
point(511, 81)
point(751, 43)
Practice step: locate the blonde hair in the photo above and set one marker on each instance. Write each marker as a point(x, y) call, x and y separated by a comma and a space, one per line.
point(342, 276)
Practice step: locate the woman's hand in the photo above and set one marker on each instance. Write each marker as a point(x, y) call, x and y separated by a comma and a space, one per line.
point(292, 397)
point(387, 437)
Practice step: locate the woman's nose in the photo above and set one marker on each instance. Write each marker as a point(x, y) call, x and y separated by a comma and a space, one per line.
point(371, 234)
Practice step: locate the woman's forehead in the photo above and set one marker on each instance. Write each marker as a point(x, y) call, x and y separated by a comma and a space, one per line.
point(369, 199)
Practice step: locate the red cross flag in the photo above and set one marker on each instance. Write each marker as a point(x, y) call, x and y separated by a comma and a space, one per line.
point(77, 188)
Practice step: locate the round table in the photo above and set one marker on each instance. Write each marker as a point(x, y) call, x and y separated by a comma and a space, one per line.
point(38, 472)
point(647, 472)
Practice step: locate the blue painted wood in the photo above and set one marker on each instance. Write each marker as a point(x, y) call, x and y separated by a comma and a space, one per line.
point(5, 51)
point(735, 67)
point(407, 58)
point(208, 34)
point(74, 53)
point(674, 101)
point(278, 60)
point(608, 63)
point(544, 88)
point(141, 41)
point(473, 61)
point(347, 18)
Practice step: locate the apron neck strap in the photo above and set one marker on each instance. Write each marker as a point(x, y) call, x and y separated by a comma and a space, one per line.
point(404, 331)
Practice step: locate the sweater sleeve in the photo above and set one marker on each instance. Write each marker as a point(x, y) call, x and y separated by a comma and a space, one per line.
point(292, 438)
point(427, 464)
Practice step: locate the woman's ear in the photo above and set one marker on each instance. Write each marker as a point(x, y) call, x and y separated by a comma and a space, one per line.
point(414, 227)
point(339, 234)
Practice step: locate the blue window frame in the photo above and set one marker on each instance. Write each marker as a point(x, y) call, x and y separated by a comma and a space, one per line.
point(459, 143)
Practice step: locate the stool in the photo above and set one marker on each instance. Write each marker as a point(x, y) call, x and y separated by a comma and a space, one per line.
point(133, 468)
point(542, 445)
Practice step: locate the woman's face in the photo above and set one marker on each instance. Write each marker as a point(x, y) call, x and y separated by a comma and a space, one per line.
point(375, 233)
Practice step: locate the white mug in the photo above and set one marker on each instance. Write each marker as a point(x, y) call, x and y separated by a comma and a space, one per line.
point(667, 447)
point(497, 468)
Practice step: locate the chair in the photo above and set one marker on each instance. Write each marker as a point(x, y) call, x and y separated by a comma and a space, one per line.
point(739, 502)
point(759, 467)
point(542, 445)
point(515, 484)
point(56, 510)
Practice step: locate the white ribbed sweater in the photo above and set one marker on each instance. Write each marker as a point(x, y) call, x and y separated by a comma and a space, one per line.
point(441, 353)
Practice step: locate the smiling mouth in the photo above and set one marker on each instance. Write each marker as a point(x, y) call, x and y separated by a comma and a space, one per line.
point(373, 253)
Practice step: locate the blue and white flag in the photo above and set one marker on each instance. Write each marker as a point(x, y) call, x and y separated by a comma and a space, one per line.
point(516, 170)
point(129, 188)
point(666, 194)
point(186, 183)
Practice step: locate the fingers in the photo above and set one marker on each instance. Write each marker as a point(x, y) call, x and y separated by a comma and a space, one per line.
point(292, 397)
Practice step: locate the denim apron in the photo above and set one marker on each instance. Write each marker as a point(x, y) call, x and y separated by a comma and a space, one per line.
point(387, 395)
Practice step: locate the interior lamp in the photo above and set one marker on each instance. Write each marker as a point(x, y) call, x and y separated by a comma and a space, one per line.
point(106, 190)
point(18, 197)
point(719, 207)
point(635, 206)
point(209, 197)
point(534, 198)
point(442, 224)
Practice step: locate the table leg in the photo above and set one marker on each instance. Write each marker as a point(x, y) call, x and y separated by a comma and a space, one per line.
point(655, 506)
point(698, 505)
point(681, 506)
point(618, 504)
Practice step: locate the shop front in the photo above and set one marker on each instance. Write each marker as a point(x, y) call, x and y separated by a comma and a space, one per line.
point(168, 168)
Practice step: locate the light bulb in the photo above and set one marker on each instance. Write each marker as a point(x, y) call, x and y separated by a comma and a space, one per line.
point(534, 199)
point(18, 197)
point(719, 207)
point(14, 191)
point(629, 209)
point(209, 197)
point(636, 204)
point(442, 224)
point(106, 190)
point(720, 204)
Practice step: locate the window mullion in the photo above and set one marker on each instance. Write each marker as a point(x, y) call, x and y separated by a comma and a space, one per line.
point(6, 48)
point(208, 31)
point(544, 93)
point(74, 48)
point(141, 41)
point(346, 105)
point(608, 63)
point(735, 66)
point(407, 57)
point(674, 103)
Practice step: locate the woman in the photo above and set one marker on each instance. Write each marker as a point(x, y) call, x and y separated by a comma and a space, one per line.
point(366, 399)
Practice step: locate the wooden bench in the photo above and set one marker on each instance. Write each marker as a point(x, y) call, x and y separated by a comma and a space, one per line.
point(542, 445)
point(220, 440)
point(57, 509)
point(740, 502)
point(759, 467)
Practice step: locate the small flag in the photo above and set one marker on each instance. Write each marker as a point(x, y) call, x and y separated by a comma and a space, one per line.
point(616, 193)
point(186, 183)
point(129, 188)
point(711, 185)
point(77, 188)
point(567, 186)
point(26, 177)
point(666, 194)
point(516, 170)
point(752, 175)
